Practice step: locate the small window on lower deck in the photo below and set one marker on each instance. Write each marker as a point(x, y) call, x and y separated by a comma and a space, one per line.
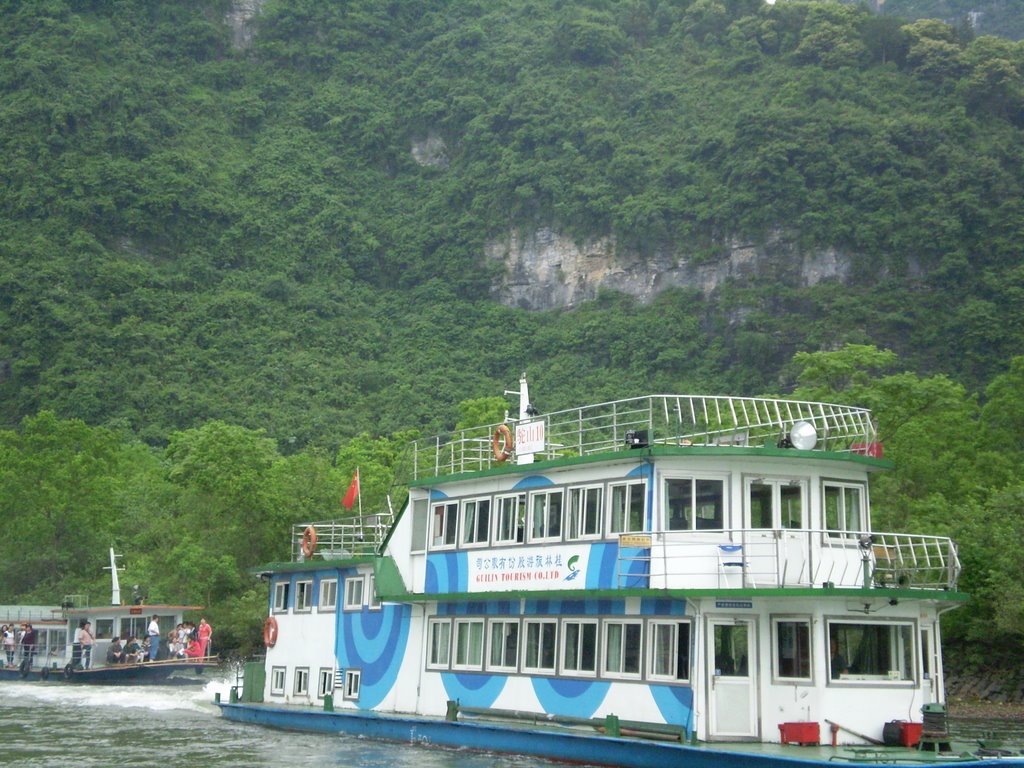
point(871, 652)
point(792, 638)
point(277, 677)
point(670, 650)
point(353, 678)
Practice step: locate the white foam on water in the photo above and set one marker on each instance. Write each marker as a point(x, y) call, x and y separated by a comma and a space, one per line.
point(156, 698)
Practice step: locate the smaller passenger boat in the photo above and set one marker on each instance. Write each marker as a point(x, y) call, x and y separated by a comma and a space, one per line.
point(57, 659)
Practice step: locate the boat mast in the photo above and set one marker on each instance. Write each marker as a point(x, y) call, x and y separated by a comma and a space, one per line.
point(115, 585)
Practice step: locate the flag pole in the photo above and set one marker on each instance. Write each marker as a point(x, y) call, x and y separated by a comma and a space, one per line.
point(359, 495)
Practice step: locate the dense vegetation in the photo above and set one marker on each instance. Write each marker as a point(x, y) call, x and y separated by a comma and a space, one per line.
point(223, 275)
point(991, 17)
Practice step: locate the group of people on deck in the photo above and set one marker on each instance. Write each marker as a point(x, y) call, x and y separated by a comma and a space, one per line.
point(188, 641)
point(12, 636)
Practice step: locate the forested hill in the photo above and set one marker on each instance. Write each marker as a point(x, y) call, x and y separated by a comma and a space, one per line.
point(295, 223)
point(987, 17)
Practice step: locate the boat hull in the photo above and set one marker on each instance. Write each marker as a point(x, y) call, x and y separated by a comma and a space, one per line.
point(558, 745)
point(169, 673)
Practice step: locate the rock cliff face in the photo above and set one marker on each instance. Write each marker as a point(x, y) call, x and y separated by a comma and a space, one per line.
point(545, 270)
point(239, 18)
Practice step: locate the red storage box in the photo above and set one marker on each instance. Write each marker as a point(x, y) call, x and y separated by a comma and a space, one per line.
point(800, 733)
point(910, 733)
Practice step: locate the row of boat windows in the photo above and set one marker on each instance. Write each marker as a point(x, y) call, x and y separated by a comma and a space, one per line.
point(358, 592)
point(607, 510)
point(660, 650)
point(348, 681)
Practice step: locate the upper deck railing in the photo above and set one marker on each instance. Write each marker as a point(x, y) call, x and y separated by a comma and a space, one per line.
point(338, 540)
point(655, 420)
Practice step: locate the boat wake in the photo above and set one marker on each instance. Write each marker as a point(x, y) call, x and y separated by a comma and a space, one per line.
point(153, 698)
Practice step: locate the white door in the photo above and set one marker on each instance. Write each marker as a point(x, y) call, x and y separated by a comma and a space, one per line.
point(928, 666)
point(777, 544)
point(731, 673)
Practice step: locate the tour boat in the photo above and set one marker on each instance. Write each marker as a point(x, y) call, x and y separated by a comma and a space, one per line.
point(668, 579)
point(56, 658)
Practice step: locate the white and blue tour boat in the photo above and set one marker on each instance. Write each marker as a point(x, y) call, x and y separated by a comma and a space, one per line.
point(652, 581)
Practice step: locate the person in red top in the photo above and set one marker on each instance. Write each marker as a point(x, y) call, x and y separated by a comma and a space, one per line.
point(205, 633)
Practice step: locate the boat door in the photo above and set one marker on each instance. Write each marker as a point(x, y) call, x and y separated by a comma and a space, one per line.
point(928, 666)
point(732, 675)
point(778, 547)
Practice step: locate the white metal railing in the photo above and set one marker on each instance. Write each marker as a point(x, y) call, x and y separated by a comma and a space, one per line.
point(337, 540)
point(656, 420)
point(752, 558)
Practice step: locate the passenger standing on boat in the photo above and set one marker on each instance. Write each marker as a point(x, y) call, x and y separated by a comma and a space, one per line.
point(28, 644)
point(205, 633)
point(153, 632)
point(115, 653)
point(76, 645)
point(9, 643)
point(87, 640)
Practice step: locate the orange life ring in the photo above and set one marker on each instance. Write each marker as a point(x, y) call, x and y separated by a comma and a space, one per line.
point(309, 541)
point(502, 443)
point(270, 632)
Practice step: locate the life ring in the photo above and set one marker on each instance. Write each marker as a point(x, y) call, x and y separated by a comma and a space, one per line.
point(502, 443)
point(69, 671)
point(270, 632)
point(24, 668)
point(44, 673)
point(309, 541)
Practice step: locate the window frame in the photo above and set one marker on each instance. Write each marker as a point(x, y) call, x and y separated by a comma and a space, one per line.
point(695, 517)
point(777, 485)
point(328, 587)
point(575, 514)
point(563, 646)
point(282, 596)
point(353, 684)
point(501, 666)
point(627, 486)
point(326, 675)
point(776, 640)
point(466, 526)
point(543, 532)
point(677, 643)
point(304, 596)
point(509, 505)
point(446, 536)
point(896, 627)
point(301, 681)
point(373, 602)
point(624, 646)
point(434, 625)
point(275, 688)
point(542, 624)
point(465, 627)
point(844, 531)
point(349, 603)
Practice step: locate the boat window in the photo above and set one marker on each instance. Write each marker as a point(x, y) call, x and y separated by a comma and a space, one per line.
point(420, 519)
point(792, 639)
point(302, 681)
point(354, 593)
point(732, 650)
point(622, 648)
point(844, 509)
point(510, 519)
point(775, 503)
point(372, 600)
point(304, 595)
point(476, 521)
point(693, 503)
point(328, 594)
point(503, 645)
point(444, 524)
point(546, 515)
point(469, 644)
point(871, 652)
point(277, 676)
point(584, 514)
point(325, 683)
point(440, 643)
point(539, 653)
point(278, 681)
point(579, 647)
point(627, 507)
point(353, 680)
point(670, 650)
point(104, 629)
point(281, 590)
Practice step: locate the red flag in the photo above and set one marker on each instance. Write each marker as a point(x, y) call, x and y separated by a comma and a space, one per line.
point(353, 491)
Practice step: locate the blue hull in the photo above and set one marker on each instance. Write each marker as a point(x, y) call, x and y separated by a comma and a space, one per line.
point(550, 745)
